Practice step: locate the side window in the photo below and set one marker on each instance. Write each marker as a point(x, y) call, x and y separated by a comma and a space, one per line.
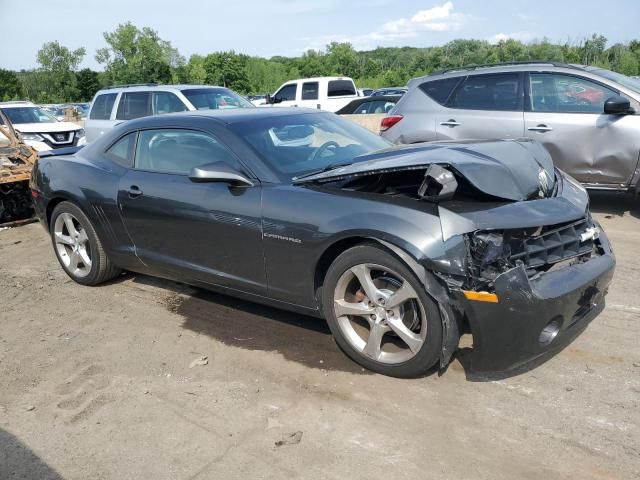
point(380, 106)
point(167, 102)
point(339, 88)
point(121, 152)
point(566, 94)
point(363, 108)
point(102, 106)
point(178, 151)
point(440, 90)
point(286, 93)
point(310, 91)
point(134, 105)
point(500, 92)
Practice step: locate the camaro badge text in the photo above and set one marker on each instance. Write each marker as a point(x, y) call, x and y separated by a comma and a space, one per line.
point(281, 237)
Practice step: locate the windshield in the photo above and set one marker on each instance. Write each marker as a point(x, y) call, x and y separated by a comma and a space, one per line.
point(19, 115)
point(215, 98)
point(628, 82)
point(294, 145)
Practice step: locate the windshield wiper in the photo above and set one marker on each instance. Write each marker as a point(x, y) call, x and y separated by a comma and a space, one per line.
point(331, 166)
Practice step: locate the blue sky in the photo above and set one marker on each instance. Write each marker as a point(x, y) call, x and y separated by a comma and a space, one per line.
point(289, 27)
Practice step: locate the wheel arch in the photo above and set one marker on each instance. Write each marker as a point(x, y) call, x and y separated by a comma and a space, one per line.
point(434, 286)
point(54, 202)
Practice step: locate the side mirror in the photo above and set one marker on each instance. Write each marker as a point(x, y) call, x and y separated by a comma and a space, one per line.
point(219, 172)
point(617, 105)
point(268, 99)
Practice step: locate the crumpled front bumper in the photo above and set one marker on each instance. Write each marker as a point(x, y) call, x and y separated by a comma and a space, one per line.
point(506, 335)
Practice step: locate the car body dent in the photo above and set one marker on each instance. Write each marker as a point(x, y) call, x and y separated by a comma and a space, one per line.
point(515, 166)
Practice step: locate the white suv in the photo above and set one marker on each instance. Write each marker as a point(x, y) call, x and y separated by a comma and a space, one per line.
point(40, 129)
point(114, 105)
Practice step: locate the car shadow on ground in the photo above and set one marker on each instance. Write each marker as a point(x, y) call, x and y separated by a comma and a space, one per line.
point(19, 462)
point(300, 338)
point(614, 204)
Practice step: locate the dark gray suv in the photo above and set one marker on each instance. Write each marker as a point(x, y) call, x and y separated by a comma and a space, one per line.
point(587, 117)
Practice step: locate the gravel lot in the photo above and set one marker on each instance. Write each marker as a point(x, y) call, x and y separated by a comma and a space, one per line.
point(95, 383)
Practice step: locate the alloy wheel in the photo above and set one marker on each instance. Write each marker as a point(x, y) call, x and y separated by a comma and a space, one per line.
point(380, 313)
point(72, 245)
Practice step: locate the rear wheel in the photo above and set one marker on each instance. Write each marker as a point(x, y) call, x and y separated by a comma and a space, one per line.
point(78, 248)
point(380, 313)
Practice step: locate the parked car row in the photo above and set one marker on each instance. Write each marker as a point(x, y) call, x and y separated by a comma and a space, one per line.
point(59, 110)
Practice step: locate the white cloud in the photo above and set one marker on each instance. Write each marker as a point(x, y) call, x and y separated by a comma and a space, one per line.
point(441, 18)
point(499, 37)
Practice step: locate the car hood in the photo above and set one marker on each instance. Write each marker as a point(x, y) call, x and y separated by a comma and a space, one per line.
point(46, 127)
point(506, 169)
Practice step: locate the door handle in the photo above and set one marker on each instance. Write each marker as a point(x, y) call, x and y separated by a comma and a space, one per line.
point(134, 191)
point(540, 128)
point(450, 123)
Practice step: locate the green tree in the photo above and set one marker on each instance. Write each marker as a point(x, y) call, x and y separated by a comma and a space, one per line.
point(88, 83)
point(196, 72)
point(227, 69)
point(10, 86)
point(134, 55)
point(58, 65)
point(312, 64)
point(342, 59)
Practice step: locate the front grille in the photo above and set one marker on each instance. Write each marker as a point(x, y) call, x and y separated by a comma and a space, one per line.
point(59, 139)
point(552, 245)
point(537, 249)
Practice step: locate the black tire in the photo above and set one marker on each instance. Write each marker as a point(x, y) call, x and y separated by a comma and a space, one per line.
point(427, 355)
point(102, 269)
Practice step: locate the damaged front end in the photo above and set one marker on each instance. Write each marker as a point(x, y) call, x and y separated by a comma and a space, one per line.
point(16, 162)
point(521, 264)
point(535, 274)
point(526, 299)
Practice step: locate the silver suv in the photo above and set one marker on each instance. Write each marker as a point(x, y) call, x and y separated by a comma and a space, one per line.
point(588, 118)
point(113, 105)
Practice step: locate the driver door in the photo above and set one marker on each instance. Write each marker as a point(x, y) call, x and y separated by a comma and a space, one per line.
point(204, 232)
point(286, 96)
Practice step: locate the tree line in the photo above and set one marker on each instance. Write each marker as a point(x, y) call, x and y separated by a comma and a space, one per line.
point(139, 55)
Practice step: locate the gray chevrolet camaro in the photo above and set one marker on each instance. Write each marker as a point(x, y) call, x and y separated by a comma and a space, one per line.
point(400, 249)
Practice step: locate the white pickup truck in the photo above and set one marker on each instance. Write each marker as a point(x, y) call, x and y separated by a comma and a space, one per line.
point(324, 93)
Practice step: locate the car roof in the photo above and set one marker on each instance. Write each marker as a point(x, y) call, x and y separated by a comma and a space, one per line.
point(378, 98)
point(227, 116)
point(16, 104)
point(147, 87)
point(315, 79)
point(503, 67)
point(532, 66)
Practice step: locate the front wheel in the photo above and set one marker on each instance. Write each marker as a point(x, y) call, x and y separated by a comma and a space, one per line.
point(380, 313)
point(78, 248)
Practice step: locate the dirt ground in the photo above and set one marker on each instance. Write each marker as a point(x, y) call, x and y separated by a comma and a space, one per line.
point(95, 383)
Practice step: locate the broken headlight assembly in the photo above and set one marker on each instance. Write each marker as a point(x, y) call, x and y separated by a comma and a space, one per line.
point(490, 255)
point(438, 184)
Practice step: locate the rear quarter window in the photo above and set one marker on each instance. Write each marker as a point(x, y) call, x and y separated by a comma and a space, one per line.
point(340, 88)
point(102, 106)
point(440, 90)
point(121, 152)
